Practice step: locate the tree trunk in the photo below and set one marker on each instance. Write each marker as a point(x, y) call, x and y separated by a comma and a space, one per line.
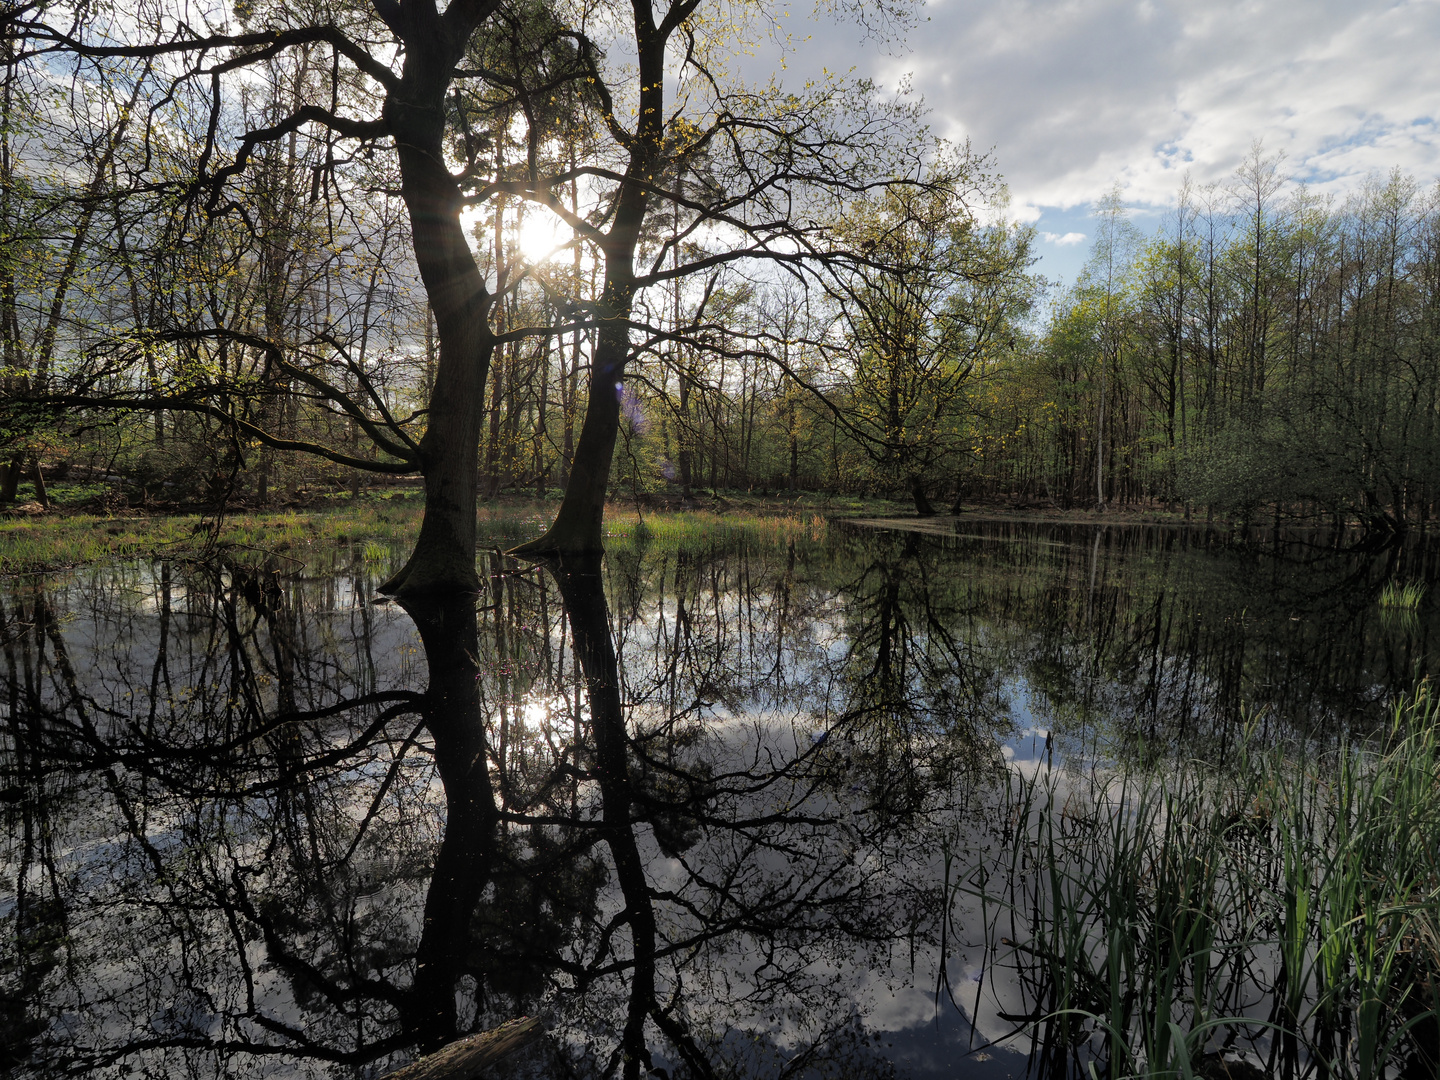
point(42, 495)
point(473, 1056)
point(922, 503)
point(10, 479)
point(578, 527)
point(583, 594)
point(444, 557)
point(685, 434)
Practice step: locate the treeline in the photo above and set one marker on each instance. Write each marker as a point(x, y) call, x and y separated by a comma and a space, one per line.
point(1267, 351)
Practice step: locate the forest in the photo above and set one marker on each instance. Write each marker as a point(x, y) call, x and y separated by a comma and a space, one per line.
point(717, 793)
point(238, 267)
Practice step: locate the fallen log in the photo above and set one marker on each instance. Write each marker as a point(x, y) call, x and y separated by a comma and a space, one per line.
point(467, 1059)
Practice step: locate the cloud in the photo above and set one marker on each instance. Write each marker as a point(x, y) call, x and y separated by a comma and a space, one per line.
point(1076, 95)
point(1068, 239)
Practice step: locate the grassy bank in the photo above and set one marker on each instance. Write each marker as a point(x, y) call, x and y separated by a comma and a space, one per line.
point(55, 541)
point(60, 541)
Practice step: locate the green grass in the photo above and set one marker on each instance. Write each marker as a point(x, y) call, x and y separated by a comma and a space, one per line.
point(677, 529)
point(1402, 597)
point(1287, 909)
point(52, 542)
point(60, 541)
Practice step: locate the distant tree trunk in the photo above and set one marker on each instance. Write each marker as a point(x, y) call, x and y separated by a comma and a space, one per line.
point(685, 435)
point(42, 494)
point(542, 469)
point(922, 503)
point(492, 444)
point(794, 446)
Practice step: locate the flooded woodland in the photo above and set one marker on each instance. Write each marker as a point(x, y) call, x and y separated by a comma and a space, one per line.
point(994, 799)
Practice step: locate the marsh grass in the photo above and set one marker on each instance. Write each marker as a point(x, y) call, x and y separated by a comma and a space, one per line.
point(374, 526)
point(1402, 597)
point(30, 545)
point(1284, 912)
point(685, 528)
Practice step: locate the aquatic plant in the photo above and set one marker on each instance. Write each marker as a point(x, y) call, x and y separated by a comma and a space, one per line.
point(1284, 911)
point(1404, 597)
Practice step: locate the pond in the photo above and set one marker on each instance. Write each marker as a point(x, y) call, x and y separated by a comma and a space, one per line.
point(702, 805)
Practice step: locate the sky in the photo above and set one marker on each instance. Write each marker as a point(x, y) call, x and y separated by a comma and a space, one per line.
point(1074, 96)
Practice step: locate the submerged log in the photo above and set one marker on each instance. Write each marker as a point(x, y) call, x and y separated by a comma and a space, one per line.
point(467, 1059)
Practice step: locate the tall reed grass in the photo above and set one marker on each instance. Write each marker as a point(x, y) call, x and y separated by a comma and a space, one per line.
point(1405, 597)
point(1282, 914)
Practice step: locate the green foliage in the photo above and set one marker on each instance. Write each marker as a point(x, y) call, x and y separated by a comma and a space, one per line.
point(1404, 596)
point(1263, 352)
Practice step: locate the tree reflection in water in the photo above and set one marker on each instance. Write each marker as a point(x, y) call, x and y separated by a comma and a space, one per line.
point(230, 848)
point(685, 803)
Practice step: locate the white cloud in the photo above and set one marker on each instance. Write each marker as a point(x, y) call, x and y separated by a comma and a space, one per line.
point(1075, 95)
point(1068, 239)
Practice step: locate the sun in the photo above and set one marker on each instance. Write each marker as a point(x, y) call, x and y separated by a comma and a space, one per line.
point(540, 235)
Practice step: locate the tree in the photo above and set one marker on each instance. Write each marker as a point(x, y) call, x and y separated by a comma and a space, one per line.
point(739, 174)
point(1103, 286)
point(934, 310)
point(488, 103)
point(371, 91)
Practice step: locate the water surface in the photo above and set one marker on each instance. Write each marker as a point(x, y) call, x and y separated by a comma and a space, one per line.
point(688, 804)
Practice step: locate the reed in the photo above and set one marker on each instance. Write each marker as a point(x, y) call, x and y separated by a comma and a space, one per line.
point(1402, 597)
point(1284, 912)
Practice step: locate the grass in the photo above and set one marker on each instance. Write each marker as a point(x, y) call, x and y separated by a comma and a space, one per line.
point(669, 529)
point(1287, 912)
point(53, 542)
point(60, 541)
point(1402, 597)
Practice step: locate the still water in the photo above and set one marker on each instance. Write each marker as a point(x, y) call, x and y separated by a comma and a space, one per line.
point(689, 804)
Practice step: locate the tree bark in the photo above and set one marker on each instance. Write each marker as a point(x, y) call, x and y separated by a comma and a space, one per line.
point(444, 557)
point(922, 502)
point(471, 1057)
point(578, 527)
